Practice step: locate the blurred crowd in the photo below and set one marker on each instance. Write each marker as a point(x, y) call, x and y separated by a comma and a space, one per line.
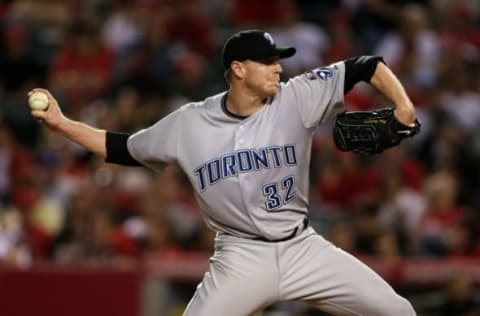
point(122, 65)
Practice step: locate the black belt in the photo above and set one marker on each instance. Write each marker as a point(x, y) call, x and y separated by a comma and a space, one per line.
point(297, 229)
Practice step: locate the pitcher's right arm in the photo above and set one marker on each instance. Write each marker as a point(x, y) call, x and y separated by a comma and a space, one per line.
point(109, 145)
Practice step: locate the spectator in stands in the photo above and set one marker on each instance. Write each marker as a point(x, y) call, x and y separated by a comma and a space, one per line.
point(189, 26)
point(459, 98)
point(82, 69)
point(401, 210)
point(461, 240)
point(14, 248)
point(124, 26)
point(342, 235)
point(414, 48)
point(460, 297)
point(443, 212)
point(244, 14)
point(387, 247)
point(311, 40)
point(20, 69)
point(344, 183)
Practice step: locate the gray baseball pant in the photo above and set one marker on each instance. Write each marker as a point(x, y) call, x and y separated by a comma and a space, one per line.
point(245, 276)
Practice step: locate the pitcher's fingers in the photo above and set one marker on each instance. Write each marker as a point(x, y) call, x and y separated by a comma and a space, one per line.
point(38, 114)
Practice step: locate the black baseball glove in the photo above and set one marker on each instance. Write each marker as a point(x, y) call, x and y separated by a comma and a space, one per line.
point(370, 132)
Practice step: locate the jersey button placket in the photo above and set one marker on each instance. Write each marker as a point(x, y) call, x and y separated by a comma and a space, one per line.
point(239, 138)
point(240, 145)
point(240, 132)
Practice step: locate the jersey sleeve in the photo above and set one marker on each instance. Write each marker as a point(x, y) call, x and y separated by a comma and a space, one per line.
point(318, 93)
point(156, 145)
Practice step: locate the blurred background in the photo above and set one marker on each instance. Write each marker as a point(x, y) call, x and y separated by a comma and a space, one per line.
point(82, 237)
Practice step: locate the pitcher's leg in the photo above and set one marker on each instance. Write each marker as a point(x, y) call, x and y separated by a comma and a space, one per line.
point(241, 280)
point(335, 281)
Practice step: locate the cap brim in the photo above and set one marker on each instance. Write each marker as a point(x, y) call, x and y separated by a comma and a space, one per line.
point(286, 52)
point(264, 55)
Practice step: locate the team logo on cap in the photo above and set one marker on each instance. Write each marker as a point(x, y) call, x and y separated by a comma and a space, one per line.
point(268, 37)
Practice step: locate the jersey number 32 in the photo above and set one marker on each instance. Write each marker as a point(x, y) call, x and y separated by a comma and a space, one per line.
point(278, 194)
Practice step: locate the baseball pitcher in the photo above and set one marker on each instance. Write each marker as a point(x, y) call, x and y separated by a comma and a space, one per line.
point(246, 152)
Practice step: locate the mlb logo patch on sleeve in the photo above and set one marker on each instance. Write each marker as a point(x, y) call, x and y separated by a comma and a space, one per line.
point(310, 75)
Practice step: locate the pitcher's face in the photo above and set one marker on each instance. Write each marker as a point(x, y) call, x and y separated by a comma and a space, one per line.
point(263, 77)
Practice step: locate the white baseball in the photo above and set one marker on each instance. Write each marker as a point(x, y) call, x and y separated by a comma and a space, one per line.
point(38, 101)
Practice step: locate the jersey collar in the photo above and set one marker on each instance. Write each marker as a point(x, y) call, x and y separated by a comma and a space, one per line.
point(227, 112)
point(233, 115)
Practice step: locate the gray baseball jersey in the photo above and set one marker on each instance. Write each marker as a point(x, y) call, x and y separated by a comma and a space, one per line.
point(251, 178)
point(251, 175)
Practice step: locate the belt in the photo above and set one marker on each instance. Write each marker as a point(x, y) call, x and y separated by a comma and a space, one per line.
point(295, 233)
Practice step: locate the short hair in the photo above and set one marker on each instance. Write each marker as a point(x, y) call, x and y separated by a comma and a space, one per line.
point(228, 75)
